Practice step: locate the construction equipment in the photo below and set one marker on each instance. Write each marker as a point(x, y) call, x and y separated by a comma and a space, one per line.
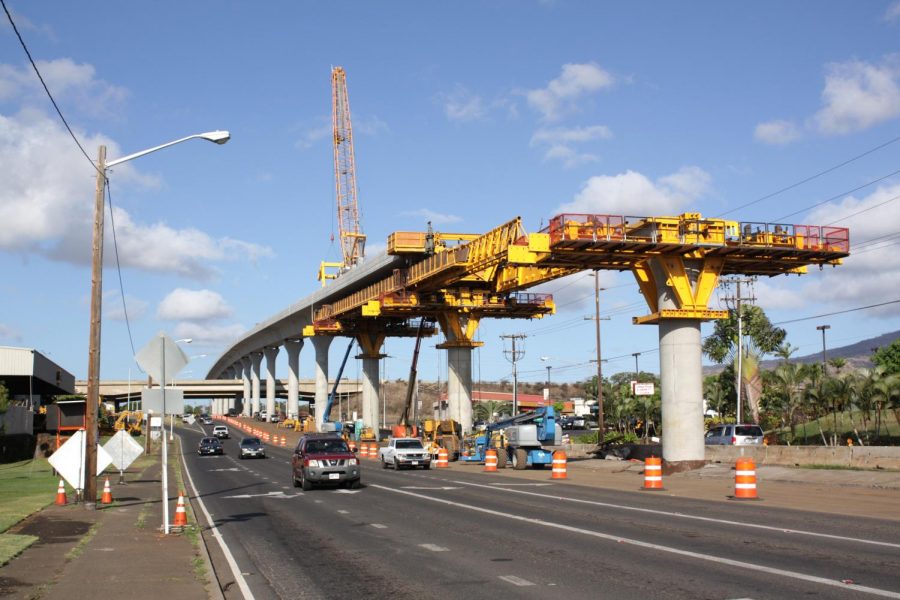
point(442, 434)
point(327, 424)
point(404, 428)
point(353, 240)
point(523, 440)
point(130, 421)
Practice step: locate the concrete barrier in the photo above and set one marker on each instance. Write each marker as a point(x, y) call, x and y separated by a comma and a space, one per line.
point(866, 457)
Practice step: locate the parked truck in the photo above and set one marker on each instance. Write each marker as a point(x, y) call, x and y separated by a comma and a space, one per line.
point(524, 440)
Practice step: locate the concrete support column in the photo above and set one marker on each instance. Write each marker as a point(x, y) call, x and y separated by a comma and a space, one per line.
point(371, 396)
point(245, 376)
point(293, 348)
point(321, 345)
point(271, 354)
point(459, 386)
point(681, 380)
point(255, 361)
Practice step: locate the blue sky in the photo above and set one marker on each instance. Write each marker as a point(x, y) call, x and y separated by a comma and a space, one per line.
point(465, 114)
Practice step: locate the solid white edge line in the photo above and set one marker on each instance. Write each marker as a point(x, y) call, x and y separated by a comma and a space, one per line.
point(683, 516)
point(229, 558)
point(660, 548)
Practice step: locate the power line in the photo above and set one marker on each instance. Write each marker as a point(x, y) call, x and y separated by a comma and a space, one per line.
point(836, 196)
point(839, 312)
point(811, 177)
point(112, 225)
point(46, 89)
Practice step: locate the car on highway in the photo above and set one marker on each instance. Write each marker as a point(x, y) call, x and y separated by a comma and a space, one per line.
point(210, 445)
point(252, 447)
point(404, 452)
point(730, 434)
point(324, 458)
point(262, 415)
point(221, 432)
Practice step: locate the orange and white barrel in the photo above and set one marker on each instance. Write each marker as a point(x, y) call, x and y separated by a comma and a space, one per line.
point(653, 474)
point(745, 479)
point(443, 460)
point(490, 461)
point(559, 465)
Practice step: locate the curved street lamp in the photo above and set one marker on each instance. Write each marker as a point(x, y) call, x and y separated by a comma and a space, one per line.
point(93, 380)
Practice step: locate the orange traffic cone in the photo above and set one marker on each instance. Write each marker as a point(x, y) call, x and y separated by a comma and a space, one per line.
point(443, 460)
point(106, 498)
point(61, 494)
point(180, 513)
point(745, 480)
point(490, 461)
point(653, 474)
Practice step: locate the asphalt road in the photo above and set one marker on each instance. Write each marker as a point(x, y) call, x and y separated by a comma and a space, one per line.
point(465, 533)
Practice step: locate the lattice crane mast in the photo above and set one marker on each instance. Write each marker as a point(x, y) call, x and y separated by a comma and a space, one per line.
point(353, 240)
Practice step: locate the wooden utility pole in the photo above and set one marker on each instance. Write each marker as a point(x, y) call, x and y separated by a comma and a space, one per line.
point(515, 356)
point(93, 386)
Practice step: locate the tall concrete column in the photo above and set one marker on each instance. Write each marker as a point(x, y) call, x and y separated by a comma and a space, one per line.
point(321, 345)
point(245, 376)
point(255, 361)
point(371, 397)
point(459, 386)
point(271, 354)
point(681, 380)
point(293, 348)
point(680, 377)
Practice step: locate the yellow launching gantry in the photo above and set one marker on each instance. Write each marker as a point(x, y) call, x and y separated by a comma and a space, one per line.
point(458, 279)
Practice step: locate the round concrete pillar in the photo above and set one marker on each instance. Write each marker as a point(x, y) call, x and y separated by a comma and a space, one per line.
point(321, 345)
point(459, 386)
point(245, 377)
point(371, 398)
point(271, 353)
point(681, 382)
point(255, 362)
point(293, 348)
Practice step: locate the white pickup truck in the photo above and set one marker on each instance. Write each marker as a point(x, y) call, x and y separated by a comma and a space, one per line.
point(404, 452)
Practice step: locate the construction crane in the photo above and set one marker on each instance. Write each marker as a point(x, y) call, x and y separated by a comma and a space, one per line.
point(353, 240)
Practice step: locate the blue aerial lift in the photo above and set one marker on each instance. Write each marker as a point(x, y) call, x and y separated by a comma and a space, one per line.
point(523, 440)
point(327, 424)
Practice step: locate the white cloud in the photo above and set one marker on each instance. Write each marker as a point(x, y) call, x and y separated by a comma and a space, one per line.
point(74, 84)
point(8, 333)
point(893, 12)
point(44, 212)
point(206, 334)
point(858, 95)
point(560, 142)
point(192, 305)
point(574, 81)
point(436, 218)
point(776, 132)
point(634, 194)
point(115, 311)
point(463, 105)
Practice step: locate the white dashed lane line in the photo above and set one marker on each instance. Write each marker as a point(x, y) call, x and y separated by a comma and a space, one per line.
point(379, 526)
point(515, 580)
point(434, 547)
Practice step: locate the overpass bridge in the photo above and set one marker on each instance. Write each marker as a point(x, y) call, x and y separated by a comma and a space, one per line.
point(455, 280)
point(225, 394)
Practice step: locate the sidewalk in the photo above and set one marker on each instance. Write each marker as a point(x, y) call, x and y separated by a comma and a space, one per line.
point(115, 551)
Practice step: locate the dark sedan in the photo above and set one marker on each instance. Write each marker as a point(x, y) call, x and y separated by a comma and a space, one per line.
point(210, 445)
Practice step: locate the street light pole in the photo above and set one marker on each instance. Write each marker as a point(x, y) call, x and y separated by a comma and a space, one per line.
point(93, 378)
point(823, 328)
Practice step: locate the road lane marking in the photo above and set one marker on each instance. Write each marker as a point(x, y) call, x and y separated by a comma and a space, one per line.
point(515, 580)
point(344, 512)
point(521, 484)
point(278, 494)
point(217, 535)
point(410, 487)
point(379, 526)
point(220, 470)
point(434, 547)
point(686, 516)
point(747, 566)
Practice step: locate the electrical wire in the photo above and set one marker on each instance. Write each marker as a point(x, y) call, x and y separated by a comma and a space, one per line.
point(112, 225)
point(859, 212)
point(838, 312)
point(836, 196)
point(46, 89)
point(812, 177)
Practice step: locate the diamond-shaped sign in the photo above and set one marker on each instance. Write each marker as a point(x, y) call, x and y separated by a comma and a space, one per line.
point(161, 358)
point(68, 460)
point(123, 450)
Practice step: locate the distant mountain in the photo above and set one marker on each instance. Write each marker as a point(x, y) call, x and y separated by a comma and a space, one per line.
point(857, 355)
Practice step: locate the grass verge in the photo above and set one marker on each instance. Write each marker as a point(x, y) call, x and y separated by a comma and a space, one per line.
point(85, 539)
point(25, 488)
point(11, 545)
point(192, 531)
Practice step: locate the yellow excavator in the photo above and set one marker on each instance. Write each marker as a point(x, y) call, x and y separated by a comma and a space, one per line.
point(130, 421)
point(442, 434)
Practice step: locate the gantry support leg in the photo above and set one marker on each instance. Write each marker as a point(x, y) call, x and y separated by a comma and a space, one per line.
point(459, 328)
point(293, 348)
point(370, 345)
point(678, 290)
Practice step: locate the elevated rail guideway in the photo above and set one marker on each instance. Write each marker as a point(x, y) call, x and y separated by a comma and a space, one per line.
point(459, 279)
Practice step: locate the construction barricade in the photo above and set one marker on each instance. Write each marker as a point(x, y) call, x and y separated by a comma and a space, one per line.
point(745, 479)
point(653, 474)
point(443, 460)
point(490, 461)
point(559, 465)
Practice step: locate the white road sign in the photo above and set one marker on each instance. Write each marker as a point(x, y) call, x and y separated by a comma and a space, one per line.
point(642, 389)
point(68, 460)
point(152, 400)
point(161, 358)
point(123, 450)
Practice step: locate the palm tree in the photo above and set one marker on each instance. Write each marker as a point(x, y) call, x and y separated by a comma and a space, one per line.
point(489, 410)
